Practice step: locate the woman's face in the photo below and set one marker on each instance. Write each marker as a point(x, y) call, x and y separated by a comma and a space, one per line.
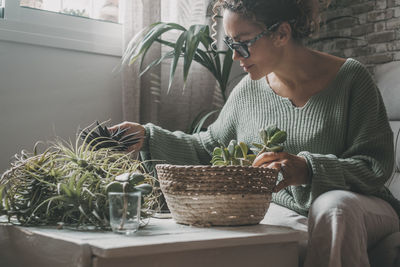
point(263, 54)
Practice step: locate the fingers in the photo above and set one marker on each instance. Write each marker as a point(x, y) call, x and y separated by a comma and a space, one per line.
point(281, 185)
point(277, 165)
point(268, 157)
point(124, 124)
point(132, 128)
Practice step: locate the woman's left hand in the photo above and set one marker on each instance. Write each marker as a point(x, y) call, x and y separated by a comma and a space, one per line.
point(294, 168)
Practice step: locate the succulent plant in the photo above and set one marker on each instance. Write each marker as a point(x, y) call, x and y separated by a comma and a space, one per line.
point(240, 154)
point(100, 137)
point(235, 154)
point(272, 138)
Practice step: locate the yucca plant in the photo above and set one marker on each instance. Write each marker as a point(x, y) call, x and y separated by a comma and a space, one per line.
point(193, 44)
point(68, 183)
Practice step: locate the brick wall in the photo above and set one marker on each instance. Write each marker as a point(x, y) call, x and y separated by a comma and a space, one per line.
point(375, 25)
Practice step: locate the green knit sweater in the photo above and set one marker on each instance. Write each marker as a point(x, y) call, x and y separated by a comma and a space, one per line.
point(343, 132)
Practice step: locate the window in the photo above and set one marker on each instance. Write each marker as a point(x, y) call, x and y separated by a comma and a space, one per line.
point(1, 9)
point(107, 10)
point(64, 25)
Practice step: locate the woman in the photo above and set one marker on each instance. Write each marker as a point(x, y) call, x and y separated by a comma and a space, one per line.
point(339, 151)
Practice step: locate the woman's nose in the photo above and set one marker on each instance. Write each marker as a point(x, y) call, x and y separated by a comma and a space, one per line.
point(236, 55)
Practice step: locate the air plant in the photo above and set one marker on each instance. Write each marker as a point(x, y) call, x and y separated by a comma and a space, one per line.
point(101, 137)
point(68, 183)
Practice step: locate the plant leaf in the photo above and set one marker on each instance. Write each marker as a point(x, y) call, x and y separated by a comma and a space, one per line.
point(226, 71)
point(278, 137)
point(152, 35)
point(157, 62)
point(201, 122)
point(271, 130)
point(177, 53)
point(244, 148)
point(192, 41)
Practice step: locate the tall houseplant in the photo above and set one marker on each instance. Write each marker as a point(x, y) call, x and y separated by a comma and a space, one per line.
point(192, 44)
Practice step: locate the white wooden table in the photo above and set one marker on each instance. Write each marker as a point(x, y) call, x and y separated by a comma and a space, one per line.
point(161, 243)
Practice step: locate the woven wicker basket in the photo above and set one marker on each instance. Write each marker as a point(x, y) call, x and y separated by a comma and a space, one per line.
point(217, 195)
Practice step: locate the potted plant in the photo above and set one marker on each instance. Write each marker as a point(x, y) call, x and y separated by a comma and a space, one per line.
point(193, 44)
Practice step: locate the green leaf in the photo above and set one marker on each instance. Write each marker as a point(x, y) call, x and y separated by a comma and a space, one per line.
point(226, 71)
point(225, 154)
point(192, 41)
point(82, 180)
point(177, 54)
point(200, 124)
point(114, 187)
point(124, 177)
point(238, 152)
point(217, 151)
point(208, 62)
point(220, 163)
point(278, 137)
point(259, 146)
point(136, 178)
point(251, 157)
point(271, 130)
point(264, 136)
point(231, 147)
point(2, 195)
point(217, 62)
point(244, 148)
point(157, 62)
point(276, 149)
point(152, 35)
point(66, 190)
point(145, 189)
point(216, 158)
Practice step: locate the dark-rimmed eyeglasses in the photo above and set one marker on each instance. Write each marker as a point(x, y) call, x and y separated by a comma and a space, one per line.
point(242, 48)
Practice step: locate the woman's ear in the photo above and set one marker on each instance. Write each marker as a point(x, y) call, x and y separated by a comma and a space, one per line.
point(283, 34)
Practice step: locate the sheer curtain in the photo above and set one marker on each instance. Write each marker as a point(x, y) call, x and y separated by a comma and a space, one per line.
point(146, 99)
point(138, 103)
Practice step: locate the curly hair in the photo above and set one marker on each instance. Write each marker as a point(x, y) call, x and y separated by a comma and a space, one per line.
point(303, 15)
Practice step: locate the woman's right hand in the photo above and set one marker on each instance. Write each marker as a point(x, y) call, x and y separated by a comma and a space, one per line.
point(132, 127)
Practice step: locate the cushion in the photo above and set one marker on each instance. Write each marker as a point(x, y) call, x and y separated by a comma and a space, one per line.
point(388, 81)
point(394, 183)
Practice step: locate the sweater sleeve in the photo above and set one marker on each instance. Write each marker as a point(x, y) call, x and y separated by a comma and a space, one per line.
point(367, 162)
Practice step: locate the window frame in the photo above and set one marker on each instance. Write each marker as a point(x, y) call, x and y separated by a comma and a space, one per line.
point(46, 28)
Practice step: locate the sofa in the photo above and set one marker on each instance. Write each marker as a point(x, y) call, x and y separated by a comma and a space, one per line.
point(387, 251)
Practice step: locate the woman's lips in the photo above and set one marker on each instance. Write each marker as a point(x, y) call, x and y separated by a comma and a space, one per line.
point(246, 68)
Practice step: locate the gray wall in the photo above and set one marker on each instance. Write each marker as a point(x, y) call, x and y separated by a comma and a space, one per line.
point(48, 92)
point(374, 23)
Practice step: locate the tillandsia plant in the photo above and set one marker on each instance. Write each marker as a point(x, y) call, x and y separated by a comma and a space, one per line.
point(68, 184)
point(101, 137)
point(240, 154)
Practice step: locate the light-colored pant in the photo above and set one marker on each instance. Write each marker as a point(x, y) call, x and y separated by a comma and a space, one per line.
point(341, 227)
